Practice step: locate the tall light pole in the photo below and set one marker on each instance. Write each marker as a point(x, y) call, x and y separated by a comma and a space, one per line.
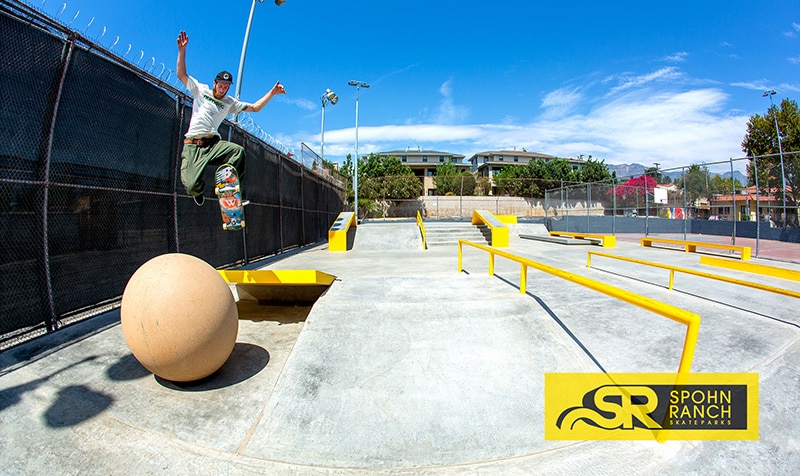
point(769, 94)
point(358, 85)
point(328, 97)
point(238, 89)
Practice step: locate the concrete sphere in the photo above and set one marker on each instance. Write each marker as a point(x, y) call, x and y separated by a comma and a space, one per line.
point(179, 317)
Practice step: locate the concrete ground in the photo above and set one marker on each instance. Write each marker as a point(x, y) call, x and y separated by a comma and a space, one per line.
point(405, 366)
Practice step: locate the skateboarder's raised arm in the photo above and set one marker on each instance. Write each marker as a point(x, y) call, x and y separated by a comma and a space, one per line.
point(180, 68)
point(259, 105)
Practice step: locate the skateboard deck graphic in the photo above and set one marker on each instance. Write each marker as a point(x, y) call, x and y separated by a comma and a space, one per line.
point(229, 193)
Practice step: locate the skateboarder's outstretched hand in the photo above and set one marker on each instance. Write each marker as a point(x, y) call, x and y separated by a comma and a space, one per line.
point(278, 88)
point(183, 40)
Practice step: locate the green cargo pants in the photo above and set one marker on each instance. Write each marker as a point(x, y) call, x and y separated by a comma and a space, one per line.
point(195, 158)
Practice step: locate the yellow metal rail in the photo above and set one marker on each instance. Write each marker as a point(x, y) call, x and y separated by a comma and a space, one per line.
point(674, 269)
point(689, 319)
point(691, 246)
point(422, 231)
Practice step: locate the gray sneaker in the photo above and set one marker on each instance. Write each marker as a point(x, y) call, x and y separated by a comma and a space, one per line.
point(199, 200)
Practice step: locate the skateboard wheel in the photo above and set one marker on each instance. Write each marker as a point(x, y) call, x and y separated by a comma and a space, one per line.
point(225, 226)
point(216, 191)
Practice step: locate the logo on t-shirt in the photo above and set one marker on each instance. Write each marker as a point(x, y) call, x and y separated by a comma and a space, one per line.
point(214, 101)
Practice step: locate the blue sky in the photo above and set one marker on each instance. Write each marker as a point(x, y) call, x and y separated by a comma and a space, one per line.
point(672, 82)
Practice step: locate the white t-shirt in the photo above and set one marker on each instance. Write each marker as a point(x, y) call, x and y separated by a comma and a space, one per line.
point(208, 112)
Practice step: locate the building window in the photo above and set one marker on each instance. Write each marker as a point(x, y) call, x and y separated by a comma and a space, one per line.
point(486, 160)
point(500, 158)
point(516, 158)
point(454, 160)
point(404, 158)
point(441, 158)
point(424, 158)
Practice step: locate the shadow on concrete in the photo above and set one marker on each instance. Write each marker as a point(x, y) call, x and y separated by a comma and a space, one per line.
point(699, 296)
point(127, 368)
point(76, 404)
point(282, 314)
point(12, 395)
point(558, 321)
point(245, 361)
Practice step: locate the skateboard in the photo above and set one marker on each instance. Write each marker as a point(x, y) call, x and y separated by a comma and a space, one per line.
point(230, 197)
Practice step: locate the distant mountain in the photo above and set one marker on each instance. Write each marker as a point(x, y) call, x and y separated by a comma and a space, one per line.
point(625, 171)
point(742, 178)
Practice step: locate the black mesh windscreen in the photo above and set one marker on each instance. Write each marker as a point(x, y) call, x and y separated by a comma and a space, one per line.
point(90, 186)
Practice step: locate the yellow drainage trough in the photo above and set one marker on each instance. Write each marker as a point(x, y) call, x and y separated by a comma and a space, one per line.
point(289, 285)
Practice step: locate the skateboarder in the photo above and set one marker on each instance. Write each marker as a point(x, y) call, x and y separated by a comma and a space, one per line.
point(203, 144)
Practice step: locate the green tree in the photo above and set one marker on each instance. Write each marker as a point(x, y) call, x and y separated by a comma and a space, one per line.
point(450, 180)
point(762, 139)
point(379, 179)
point(697, 182)
point(347, 172)
point(656, 174)
point(723, 185)
point(593, 171)
point(386, 178)
point(533, 178)
point(517, 180)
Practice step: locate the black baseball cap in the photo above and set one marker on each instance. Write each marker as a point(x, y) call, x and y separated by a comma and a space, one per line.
point(224, 76)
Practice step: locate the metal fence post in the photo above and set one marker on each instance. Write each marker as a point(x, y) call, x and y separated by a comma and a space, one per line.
point(613, 206)
point(758, 205)
point(51, 321)
point(735, 213)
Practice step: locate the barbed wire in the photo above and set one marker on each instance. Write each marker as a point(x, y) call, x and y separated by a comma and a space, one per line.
point(152, 67)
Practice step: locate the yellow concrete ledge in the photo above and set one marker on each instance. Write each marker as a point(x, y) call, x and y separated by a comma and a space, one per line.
point(606, 241)
point(773, 271)
point(338, 233)
point(498, 228)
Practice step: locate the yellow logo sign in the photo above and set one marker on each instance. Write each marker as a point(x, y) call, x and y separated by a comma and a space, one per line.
point(643, 406)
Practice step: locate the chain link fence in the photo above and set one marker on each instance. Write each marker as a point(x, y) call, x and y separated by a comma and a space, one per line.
point(89, 180)
point(713, 198)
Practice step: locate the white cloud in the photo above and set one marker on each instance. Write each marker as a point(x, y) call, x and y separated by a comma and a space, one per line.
point(304, 104)
point(676, 57)
point(669, 73)
point(672, 128)
point(448, 112)
point(793, 32)
point(560, 102)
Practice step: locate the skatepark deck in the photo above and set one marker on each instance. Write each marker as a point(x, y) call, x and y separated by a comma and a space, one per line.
point(405, 366)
